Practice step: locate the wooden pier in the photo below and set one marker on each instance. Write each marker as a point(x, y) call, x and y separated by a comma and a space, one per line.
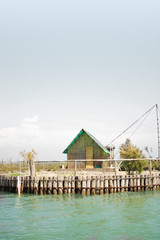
point(81, 185)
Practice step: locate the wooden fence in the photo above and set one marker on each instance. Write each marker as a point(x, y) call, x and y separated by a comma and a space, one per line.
point(82, 185)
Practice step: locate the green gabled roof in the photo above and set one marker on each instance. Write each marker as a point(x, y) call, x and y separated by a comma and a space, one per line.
point(94, 139)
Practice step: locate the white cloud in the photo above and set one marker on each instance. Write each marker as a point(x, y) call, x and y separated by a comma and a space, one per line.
point(33, 119)
point(28, 135)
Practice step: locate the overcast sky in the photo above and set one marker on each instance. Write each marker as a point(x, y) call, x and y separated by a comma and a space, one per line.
point(68, 65)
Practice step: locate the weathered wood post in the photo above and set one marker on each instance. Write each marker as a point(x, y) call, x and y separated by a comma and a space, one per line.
point(146, 182)
point(60, 185)
point(22, 184)
point(150, 182)
point(73, 184)
point(93, 185)
point(101, 185)
point(83, 185)
point(126, 183)
point(44, 185)
point(31, 184)
point(110, 183)
point(49, 185)
point(118, 184)
point(14, 184)
point(79, 185)
point(142, 182)
point(54, 180)
point(65, 186)
point(88, 185)
point(69, 184)
point(6, 184)
point(122, 183)
point(114, 183)
point(18, 190)
point(27, 184)
point(135, 183)
point(106, 185)
point(154, 181)
point(41, 186)
point(0, 183)
point(11, 184)
point(35, 186)
point(11, 181)
point(157, 181)
point(97, 185)
point(138, 183)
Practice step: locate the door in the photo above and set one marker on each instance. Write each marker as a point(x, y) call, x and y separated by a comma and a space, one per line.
point(89, 156)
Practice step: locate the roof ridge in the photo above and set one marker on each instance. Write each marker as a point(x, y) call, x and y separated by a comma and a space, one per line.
point(91, 136)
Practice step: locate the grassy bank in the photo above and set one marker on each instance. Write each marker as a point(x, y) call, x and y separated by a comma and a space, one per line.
point(14, 167)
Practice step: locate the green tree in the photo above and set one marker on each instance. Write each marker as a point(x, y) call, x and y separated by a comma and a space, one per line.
point(131, 151)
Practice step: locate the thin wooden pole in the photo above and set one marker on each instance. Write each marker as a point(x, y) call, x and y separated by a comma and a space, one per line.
point(158, 133)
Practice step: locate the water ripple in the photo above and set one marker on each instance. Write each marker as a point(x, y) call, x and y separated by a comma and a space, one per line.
point(114, 216)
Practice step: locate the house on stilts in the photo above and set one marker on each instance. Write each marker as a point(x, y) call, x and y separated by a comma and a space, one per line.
point(86, 146)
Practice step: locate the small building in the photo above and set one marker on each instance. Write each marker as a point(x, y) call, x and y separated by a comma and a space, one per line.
point(85, 146)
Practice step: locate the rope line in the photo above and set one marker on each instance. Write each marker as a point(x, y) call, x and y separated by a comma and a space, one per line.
point(132, 124)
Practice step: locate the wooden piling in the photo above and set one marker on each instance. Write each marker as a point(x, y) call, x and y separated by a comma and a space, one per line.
point(106, 190)
point(41, 186)
point(31, 184)
point(55, 185)
point(35, 185)
point(110, 183)
point(114, 184)
point(83, 185)
point(27, 184)
point(145, 183)
point(134, 183)
point(69, 184)
point(150, 182)
point(154, 182)
point(60, 185)
point(157, 182)
point(65, 185)
point(44, 185)
point(118, 183)
point(49, 185)
point(93, 185)
point(101, 185)
point(122, 183)
point(126, 180)
point(72, 185)
point(97, 185)
point(138, 183)
point(88, 185)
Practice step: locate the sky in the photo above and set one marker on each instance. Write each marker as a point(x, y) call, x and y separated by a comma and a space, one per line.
point(68, 65)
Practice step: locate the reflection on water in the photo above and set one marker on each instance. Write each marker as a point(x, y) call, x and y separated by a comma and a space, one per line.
point(113, 216)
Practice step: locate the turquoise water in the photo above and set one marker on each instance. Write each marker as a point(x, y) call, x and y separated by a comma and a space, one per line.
point(114, 216)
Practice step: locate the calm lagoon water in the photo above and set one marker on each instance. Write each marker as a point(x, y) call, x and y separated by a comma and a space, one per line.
point(114, 216)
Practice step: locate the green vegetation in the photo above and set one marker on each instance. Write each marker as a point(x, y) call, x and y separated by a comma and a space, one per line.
point(13, 168)
point(49, 166)
point(131, 151)
point(9, 166)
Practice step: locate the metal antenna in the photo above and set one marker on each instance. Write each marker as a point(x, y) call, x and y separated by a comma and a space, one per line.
point(158, 131)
